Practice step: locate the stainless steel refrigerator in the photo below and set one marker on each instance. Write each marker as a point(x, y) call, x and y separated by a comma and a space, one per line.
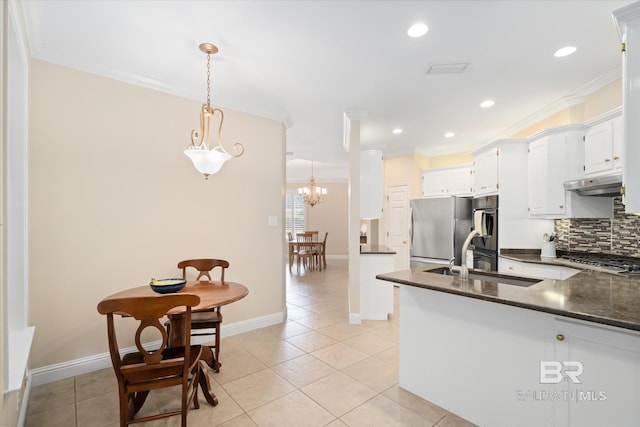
point(439, 227)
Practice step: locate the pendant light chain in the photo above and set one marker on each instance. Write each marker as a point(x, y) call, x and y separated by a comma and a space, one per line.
point(208, 80)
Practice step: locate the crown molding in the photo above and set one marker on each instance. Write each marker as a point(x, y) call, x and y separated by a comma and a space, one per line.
point(625, 14)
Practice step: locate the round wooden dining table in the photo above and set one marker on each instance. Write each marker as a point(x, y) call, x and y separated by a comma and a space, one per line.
point(212, 294)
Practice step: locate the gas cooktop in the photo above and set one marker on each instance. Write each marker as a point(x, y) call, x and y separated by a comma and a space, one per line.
point(607, 263)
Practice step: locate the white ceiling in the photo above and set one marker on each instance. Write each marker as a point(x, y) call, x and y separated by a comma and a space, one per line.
point(307, 62)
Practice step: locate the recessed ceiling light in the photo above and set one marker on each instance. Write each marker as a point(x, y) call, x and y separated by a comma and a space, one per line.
point(397, 131)
point(417, 30)
point(449, 135)
point(488, 103)
point(565, 51)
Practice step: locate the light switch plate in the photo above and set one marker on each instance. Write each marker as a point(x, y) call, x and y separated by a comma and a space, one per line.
point(272, 221)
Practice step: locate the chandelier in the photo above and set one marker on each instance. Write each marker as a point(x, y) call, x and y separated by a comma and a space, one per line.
point(312, 194)
point(209, 161)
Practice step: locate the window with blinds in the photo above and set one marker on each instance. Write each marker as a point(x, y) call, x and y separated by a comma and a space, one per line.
point(294, 214)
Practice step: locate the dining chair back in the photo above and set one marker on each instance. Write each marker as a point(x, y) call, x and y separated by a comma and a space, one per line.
point(305, 247)
point(144, 370)
point(207, 323)
point(314, 234)
point(203, 266)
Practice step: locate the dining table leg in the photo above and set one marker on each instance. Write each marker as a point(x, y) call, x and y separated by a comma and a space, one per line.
point(207, 359)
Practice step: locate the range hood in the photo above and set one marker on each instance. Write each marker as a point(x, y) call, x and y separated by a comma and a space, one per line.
point(604, 186)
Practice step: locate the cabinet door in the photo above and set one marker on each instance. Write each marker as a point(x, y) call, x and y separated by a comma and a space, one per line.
point(509, 266)
point(544, 271)
point(607, 390)
point(628, 21)
point(459, 181)
point(598, 148)
point(546, 177)
point(618, 142)
point(486, 172)
point(434, 183)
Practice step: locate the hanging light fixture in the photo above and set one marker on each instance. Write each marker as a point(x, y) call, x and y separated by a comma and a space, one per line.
point(312, 194)
point(209, 161)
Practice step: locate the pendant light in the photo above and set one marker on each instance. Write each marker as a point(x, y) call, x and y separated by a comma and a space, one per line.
point(209, 161)
point(312, 194)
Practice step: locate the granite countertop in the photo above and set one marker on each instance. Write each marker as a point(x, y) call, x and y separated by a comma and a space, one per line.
point(610, 299)
point(376, 249)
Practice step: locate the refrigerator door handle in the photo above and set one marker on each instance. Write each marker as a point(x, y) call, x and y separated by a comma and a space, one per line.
point(410, 228)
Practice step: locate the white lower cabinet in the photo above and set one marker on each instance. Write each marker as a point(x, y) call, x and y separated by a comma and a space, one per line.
point(376, 296)
point(544, 271)
point(607, 391)
point(483, 361)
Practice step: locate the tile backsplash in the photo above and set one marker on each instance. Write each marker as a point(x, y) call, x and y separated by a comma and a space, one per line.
point(619, 235)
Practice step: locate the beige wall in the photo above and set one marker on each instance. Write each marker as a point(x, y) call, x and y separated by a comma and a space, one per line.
point(603, 100)
point(406, 170)
point(451, 160)
point(114, 202)
point(329, 216)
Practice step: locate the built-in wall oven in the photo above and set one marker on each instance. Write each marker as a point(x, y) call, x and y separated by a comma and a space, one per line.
point(485, 253)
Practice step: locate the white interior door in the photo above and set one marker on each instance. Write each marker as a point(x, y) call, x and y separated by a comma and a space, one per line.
point(398, 224)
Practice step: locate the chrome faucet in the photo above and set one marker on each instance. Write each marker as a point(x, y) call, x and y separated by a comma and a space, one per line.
point(464, 271)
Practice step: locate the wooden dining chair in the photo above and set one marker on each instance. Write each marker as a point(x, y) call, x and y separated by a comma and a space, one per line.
point(314, 234)
point(293, 248)
point(207, 323)
point(305, 246)
point(322, 255)
point(144, 370)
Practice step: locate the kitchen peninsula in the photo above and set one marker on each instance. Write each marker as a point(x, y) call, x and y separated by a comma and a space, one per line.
point(494, 352)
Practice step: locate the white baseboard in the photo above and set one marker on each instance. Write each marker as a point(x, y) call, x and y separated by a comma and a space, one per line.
point(355, 319)
point(84, 365)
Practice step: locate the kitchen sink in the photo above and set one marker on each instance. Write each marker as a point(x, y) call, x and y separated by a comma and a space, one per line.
point(488, 277)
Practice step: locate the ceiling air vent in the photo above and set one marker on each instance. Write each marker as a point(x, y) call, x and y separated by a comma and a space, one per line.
point(451, 68)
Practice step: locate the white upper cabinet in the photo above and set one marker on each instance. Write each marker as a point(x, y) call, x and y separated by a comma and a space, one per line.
point(618, 143)
point(628, 21)
point(486, 171)
point(371, 184)
point(546, 178)
point(501, 169)
point(453, 181)
point(555, 156)
point(603, 145)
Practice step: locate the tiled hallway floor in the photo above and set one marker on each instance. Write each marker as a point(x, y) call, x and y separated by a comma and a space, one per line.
point(315, 369)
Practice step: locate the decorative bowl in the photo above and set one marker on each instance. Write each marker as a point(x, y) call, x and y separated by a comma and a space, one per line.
point(167, 286)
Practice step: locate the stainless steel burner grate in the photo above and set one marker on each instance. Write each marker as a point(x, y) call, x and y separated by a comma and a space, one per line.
point(605, 262)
